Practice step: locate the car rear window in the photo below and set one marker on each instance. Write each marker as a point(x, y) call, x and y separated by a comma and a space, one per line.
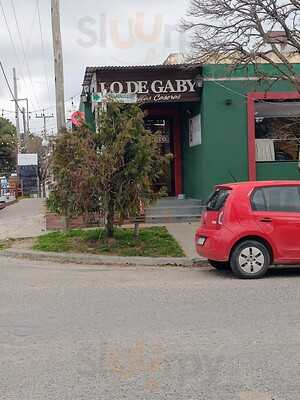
point(279, 198)
point(217, 199)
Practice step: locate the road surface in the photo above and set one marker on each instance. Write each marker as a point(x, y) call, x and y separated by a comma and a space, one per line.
point(70, 332)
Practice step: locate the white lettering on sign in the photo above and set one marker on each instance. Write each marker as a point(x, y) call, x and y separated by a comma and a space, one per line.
point(132, 87)
point(157, 87)
point(117, 87)
point(184, 85)
point(169, 87)
point(103, 87)
point(192, 85)
point(145, 87)
point(167, 97)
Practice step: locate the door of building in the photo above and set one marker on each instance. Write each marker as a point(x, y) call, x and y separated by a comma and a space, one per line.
point(161, 128)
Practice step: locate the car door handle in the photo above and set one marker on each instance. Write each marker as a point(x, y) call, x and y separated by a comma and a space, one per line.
point(266, 220)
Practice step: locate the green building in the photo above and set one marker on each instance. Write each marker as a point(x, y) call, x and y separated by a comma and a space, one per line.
point(221, 126)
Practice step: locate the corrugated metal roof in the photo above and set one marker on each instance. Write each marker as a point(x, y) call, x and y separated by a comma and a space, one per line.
point(147, 68)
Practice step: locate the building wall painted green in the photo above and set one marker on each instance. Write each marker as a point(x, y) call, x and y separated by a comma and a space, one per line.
point(89, 116)
point(225, 70)
point(223, 155)
point(191, 156)
point(276, 170)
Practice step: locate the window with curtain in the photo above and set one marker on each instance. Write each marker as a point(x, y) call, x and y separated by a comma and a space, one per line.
point(277, 131)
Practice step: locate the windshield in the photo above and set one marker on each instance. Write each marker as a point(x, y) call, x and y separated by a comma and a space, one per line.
point(217, 200)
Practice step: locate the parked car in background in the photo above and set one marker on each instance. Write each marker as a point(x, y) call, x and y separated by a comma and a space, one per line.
point(250, 226)
point(2, 202)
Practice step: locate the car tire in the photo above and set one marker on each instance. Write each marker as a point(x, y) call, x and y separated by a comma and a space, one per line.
point(219, 265)
point(250, 259)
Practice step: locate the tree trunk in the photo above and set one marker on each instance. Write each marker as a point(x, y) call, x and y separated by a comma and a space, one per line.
point(43, 190)
point(65, 223)
point(136, 230)
point(110, 219)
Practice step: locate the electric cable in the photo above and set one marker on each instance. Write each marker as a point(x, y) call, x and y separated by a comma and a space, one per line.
point(50, 107)
point(9, 87)
point(43, 52)
point(24, 53)
point(13, 45)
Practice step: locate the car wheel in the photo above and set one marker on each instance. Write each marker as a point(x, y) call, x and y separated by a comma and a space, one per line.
point(220, 265)
point(250, 260)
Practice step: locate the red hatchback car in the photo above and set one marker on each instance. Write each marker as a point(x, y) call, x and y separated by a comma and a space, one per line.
point(250, 226)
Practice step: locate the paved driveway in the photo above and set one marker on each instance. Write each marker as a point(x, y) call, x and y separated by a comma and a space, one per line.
point(184, 233)
point(23, 219)
point(74, 332)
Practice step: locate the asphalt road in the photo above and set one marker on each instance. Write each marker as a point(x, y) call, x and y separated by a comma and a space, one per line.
point(74, 332)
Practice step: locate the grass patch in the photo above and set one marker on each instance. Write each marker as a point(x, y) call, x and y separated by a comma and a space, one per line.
point(23, 198)
point(5, 244)
point(152, 242)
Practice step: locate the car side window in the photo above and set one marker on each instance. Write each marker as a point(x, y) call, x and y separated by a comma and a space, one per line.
point(258, 201)
point(279, 198)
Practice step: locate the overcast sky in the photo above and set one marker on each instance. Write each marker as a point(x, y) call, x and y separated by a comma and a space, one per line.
point(94, 33)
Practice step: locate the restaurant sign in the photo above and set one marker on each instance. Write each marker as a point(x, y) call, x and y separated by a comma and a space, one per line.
point(127, 98)
point(158, 90)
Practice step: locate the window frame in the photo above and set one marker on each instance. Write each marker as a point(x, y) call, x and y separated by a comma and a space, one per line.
point(265, 200)
point(255, 190)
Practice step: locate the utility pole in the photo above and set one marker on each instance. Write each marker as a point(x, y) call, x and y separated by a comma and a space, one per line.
point(16, 100)
point(27, 114)
point(16, 103)
point(58, 66)
point(45, 117)
point(24, 135)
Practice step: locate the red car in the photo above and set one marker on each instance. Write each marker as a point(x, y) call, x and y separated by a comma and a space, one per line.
point(250, 226)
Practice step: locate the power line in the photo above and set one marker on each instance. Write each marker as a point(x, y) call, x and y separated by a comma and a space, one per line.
point(7, 111)
point(238, 93)
point(24, 52)
point(43, 51)
point(9, 87)
point(53, 105)
point(47, 108)
point(29, 38)
point(13, 44)
point(45, 117)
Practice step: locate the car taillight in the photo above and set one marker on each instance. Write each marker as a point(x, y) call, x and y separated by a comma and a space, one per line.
point(220, 218)
point(203, 218)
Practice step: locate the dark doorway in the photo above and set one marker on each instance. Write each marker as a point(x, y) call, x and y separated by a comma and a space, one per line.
point(162, 129)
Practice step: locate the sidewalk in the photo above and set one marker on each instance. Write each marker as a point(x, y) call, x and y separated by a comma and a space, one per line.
point(25, 219)
point(22, 219)
point(184, 233)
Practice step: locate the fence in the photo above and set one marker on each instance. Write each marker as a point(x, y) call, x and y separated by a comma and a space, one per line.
point(8, 192)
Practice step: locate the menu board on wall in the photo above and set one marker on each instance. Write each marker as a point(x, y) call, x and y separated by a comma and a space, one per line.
point(195, 136)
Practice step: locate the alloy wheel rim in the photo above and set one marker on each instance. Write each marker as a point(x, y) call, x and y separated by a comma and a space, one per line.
point(251, 260)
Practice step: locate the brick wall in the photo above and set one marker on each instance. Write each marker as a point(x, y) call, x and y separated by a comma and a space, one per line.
point(57, 222)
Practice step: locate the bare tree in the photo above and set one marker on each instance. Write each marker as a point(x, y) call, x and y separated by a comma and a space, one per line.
point(244, 32)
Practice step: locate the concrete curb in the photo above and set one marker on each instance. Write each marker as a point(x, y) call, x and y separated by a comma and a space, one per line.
point(90, 259)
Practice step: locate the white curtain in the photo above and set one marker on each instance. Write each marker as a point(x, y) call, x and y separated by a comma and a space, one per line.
point(265, 150)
